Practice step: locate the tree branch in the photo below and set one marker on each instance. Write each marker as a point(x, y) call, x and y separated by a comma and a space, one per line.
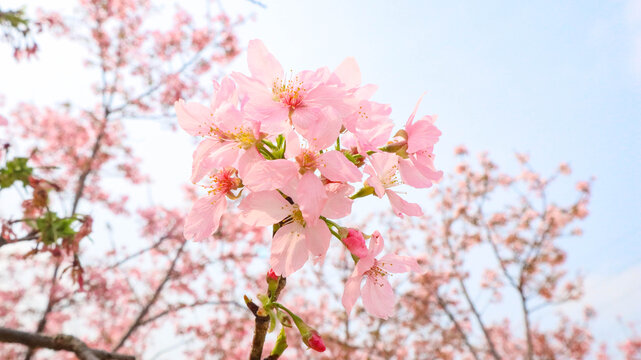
point(262, 322)
point(152, 301)
point(59, 342)
point(458, 327)
point(50, 303)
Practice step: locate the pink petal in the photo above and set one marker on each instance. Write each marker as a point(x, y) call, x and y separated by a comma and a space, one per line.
point(247, 160)
point(262, 64)
point(311, 197)
point(399, 264)
point(383, 163)
point(378, 297)
point(289, 249)
point(292, 145)
point(227, 118)
point(323, 134)
point(264, 208)
point(194, 118)
point(376, 244)
point(374, 182)
point(226, 92)
point(351, 293)
point(305, 120)
point(336, 167)
point(204, 148)
point(425, 164)
point(401, 206)
point(338, 203)
point(349, 73)
point(366, 91)
point(204, 217)
point(269, 174)
point(329, 96)
point(411, 118)
point(318, 237)
point(421, 135)
point(216, 158)
point(412, 176)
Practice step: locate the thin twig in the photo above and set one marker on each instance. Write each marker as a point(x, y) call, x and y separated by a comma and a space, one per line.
point(152, 300)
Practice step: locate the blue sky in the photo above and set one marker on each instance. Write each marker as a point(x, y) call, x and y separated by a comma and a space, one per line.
point(560, 81)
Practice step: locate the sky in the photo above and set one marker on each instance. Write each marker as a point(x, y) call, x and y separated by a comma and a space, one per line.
point(560, 81)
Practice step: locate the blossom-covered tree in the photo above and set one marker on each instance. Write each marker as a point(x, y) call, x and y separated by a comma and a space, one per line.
point(293, 151)
point(61, 155)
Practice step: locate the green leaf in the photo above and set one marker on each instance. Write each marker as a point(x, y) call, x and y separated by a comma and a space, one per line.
point(52, 228)
point(15, 170)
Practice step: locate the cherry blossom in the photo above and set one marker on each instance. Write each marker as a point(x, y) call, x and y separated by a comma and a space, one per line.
point(378, 296)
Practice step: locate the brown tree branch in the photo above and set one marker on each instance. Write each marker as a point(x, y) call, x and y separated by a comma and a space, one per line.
point(51, 301)
point(262, 321)
point(59, 342)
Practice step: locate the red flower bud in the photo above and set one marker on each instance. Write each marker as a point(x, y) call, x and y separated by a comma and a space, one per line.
point(272, 275)
point(314, 341)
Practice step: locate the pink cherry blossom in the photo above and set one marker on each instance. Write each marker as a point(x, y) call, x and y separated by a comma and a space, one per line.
point(228, 133)
point(204, 217)
point(383, 173)
point(307, 99)
point(377, 294)
point(295, 240)
point(418, 170)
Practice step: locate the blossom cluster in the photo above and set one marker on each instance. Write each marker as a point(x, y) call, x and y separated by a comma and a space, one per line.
point(293, 148)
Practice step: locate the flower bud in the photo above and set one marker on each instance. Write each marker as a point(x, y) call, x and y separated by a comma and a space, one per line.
point(272, 281)
point(271, 276)
point(314, 341)
point(308, 334)
point(355, 242)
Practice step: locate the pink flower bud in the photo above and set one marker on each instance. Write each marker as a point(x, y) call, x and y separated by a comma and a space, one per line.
point(355, 242)
point(272, 275)
point(315, 341)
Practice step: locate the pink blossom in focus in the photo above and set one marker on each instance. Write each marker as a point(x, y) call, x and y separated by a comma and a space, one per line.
point(204, 217)
point(383, 173)
point(307, 99)
point(378, 296)
point(418, 170)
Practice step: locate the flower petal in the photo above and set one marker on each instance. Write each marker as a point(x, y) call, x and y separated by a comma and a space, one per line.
point(289, 249)
point(262, 64)
point(422, 135)
point(264, 208)
point(376, 244)
point(401, 206)
point(336, 167)
point(338, 203)
point(207, 159)
point(318, 237)
point(374, 181)
point(349, 73)
point(311, 197)
point(204, 217)
point(399, 264)
point(412, 176)
point(269, 174)
point(351, 293)
point(378, 297)
point(194, 118)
